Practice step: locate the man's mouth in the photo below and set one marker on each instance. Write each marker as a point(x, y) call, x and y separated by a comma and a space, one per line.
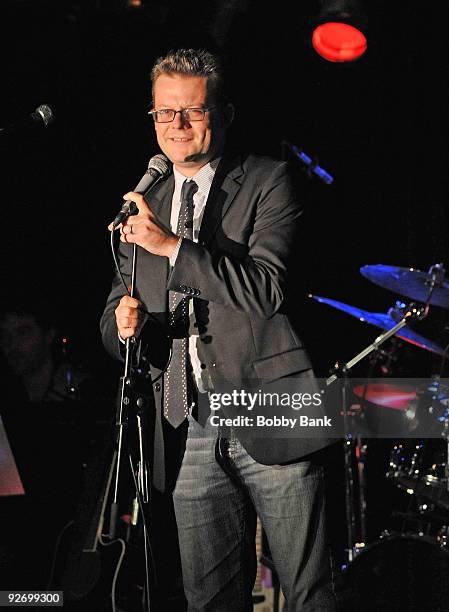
point(181, 139)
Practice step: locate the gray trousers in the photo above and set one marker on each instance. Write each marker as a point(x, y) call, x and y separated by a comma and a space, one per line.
point(216, 518)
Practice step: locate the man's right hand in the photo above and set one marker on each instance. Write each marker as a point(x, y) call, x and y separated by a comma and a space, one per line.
point(128, 317)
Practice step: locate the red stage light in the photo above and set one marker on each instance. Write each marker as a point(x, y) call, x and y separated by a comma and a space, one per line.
point(339, 42)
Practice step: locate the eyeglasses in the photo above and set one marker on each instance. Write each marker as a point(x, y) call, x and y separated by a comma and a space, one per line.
point(165, 115)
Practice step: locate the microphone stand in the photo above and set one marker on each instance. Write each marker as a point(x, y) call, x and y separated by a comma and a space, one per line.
point(126, 399)
point(412, 313)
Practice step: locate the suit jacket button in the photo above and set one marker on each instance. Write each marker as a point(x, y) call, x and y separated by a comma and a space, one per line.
point(157, 387)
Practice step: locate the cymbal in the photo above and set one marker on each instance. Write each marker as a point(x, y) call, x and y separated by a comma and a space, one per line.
point(385, 322)
point(409, 282)
point(386, 395)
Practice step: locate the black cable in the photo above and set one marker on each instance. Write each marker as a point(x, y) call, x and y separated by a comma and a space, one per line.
point(117, 266)
point(152, 317)
point(119, 272)
point(145, 526)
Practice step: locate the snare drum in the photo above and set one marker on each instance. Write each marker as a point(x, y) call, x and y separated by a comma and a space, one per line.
point(398, 573)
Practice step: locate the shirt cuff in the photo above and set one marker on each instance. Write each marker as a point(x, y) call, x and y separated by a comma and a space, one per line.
point(174, 255)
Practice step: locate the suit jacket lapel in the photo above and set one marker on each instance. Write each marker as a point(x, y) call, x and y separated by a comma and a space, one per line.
point(224, 188)
point(160, 202)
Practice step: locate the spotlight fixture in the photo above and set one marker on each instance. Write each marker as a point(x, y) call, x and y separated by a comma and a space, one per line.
point(340, 33)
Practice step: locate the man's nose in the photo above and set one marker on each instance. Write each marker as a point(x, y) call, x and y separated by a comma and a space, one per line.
point(180, 119)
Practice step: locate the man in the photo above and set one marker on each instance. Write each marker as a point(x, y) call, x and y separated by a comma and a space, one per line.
point(47, 427)
point(233, 268)
point(27, 341)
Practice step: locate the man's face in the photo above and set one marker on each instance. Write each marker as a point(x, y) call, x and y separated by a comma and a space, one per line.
point(189, 145)
point(24, 343)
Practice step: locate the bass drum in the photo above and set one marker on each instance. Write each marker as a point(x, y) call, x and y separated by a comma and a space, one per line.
point(400, 573)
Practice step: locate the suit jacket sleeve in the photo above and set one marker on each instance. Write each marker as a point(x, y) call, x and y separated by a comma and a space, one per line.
point(253, 283)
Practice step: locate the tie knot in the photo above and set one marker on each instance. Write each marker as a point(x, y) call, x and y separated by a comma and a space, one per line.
point(189, 188)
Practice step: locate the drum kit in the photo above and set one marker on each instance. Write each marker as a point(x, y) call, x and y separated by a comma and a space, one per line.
point(405, 569)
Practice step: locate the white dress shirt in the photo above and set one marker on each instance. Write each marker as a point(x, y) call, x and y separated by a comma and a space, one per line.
point(203, 179)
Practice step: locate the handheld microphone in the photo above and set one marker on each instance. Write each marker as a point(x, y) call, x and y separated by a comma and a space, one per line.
point(158, 168)
point(41, 117)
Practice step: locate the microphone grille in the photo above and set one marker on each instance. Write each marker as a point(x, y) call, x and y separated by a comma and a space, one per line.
point(45, 113)
point(161, 164)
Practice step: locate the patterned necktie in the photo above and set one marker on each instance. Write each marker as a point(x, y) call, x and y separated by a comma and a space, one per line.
point(176, 406)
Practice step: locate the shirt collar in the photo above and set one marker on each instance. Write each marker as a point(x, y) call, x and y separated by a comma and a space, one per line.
point(203, 178)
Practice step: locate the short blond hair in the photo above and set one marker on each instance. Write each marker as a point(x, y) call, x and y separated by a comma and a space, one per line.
point(191, 62)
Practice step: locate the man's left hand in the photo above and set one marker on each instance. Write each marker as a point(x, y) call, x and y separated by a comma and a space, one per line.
point(146, 230)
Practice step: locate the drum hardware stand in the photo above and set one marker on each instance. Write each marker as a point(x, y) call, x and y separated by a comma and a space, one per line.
point(438, 273)
point(445, 435)
point(443, 536)
point(351, 446)
point(361, 449)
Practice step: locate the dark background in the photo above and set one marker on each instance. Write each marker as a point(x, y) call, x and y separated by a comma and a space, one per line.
point(378, 125)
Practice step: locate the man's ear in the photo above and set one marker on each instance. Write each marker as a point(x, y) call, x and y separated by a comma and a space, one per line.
point(229, 112)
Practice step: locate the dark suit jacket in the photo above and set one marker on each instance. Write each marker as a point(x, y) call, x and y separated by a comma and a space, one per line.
point(237, 275)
